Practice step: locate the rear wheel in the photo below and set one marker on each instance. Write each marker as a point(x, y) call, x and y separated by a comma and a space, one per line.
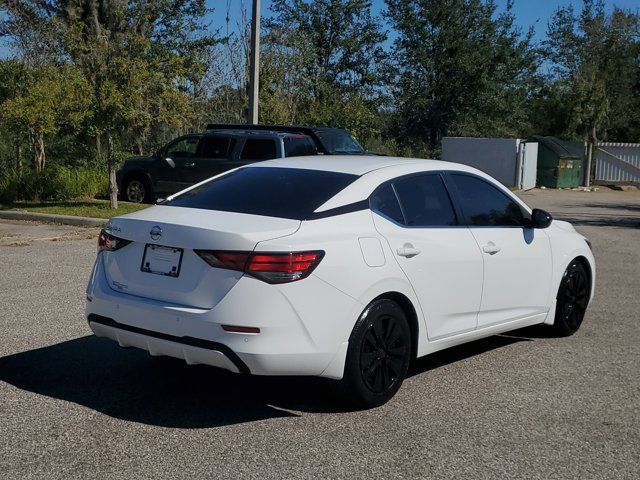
point(378, 355)
point(572, 299)
point(136, 190)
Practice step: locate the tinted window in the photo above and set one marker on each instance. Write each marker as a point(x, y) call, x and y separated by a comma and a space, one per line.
point(259, 149)
point(338, 141)
point(485, 205)
point(384, 201)
point(214, 147)
point(298, 146)
point(183, 148)
point(425, 201)
point(273, 192)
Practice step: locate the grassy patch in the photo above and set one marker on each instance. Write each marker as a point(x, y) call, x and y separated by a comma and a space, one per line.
point(79, 208)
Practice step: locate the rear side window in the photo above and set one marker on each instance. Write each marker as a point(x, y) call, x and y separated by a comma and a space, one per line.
point(298, 146)
point(425, 201)
point(273, 192)
point(385, 202)
point(214, 147)
point(484, 205)
point(259, 149)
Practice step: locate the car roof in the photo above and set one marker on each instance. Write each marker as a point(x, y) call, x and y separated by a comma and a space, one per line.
point(372, 172)
point(252, 133)
point(354, 165)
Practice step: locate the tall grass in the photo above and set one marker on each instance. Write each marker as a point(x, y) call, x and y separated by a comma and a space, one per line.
point(54, 183)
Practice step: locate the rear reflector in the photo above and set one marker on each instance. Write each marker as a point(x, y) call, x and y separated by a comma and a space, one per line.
point(238, 329)
point(271, 267)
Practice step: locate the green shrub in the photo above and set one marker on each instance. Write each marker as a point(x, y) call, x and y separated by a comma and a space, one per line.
point(55, 183)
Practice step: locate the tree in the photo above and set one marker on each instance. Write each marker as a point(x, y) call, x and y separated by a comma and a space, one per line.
point(138, 58)
point(50, 98)
point(594, 84)
point(323, 58)
point(461, 69)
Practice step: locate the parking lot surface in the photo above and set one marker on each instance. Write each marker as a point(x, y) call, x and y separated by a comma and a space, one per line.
point(520, 405)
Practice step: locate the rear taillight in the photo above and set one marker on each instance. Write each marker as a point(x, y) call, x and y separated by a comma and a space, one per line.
point(267, 266)
point(110, 243)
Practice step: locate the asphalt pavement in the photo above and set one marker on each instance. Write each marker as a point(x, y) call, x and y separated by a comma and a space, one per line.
point(520, 405)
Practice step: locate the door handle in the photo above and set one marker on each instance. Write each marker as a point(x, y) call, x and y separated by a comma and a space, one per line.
point(407, 251)
point(190, 164)
point(491, 248)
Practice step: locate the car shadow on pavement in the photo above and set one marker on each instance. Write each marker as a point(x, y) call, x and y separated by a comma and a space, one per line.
point(464, 351)
point(130, 385)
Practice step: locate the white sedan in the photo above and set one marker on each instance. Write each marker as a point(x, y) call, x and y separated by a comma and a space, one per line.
point(340, 267)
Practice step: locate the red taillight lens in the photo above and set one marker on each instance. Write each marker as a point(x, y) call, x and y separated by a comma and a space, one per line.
point(110, 243)
point(266, 266)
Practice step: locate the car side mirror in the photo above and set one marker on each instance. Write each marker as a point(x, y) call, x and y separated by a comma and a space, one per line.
point(170, 161)
point(540, 218)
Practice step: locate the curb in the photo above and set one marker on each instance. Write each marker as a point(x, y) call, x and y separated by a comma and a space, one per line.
point(52, 218)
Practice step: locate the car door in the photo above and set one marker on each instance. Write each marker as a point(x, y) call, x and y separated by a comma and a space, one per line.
point(439, 257)
point(213, 156)
point(517, 259)
point(177, 167)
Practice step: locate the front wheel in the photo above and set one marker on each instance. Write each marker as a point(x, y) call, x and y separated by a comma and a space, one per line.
point(572, 299)
point(378, 355)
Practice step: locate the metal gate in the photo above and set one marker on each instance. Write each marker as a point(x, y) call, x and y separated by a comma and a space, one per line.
point(618, 162)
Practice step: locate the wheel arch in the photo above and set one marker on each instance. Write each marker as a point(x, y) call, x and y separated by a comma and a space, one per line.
point(136, 172)
point(412, 316)
point(587, 266)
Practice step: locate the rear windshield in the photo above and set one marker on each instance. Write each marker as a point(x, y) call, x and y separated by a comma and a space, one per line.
point(273, 192)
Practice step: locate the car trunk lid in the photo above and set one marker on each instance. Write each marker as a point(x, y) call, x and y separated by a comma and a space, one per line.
point(147, 268)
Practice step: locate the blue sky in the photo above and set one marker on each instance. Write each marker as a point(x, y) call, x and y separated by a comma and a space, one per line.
point(528, 12)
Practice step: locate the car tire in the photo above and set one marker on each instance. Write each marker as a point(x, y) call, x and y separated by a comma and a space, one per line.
point(136, 190)
point(572, 300)
point(378, 355)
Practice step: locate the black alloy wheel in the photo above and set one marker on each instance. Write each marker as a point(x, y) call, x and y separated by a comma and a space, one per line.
point(379, 354)
point(572, 300)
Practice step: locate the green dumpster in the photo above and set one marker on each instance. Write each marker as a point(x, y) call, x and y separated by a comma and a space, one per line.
point(560, 162)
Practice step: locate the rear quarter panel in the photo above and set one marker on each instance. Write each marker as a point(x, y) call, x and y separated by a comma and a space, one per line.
point(347, 266)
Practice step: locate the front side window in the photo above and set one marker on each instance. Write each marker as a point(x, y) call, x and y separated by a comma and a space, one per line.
point(259, 149)
point(185, 147)
point(425, 201)
point(484, 205)
point(273, 192)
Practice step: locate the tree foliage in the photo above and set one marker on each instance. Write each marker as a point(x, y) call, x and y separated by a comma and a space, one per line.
point(593, 89)
point(136, 73)
point(462, 69)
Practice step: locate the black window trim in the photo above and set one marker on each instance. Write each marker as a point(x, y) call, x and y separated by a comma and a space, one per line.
point(455, 195)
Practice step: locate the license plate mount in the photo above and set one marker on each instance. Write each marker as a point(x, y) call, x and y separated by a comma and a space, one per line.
point(161, 260)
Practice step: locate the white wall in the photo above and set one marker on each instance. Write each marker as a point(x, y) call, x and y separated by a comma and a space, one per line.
point(496, 156)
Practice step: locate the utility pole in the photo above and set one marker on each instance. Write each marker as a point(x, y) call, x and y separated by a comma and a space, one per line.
point(254, 66)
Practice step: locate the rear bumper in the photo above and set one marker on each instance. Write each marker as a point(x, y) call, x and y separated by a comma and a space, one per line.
point(299, 334)
point(194, 351)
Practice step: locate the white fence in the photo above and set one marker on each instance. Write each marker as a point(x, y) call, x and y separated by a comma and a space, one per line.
point(618, 162)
